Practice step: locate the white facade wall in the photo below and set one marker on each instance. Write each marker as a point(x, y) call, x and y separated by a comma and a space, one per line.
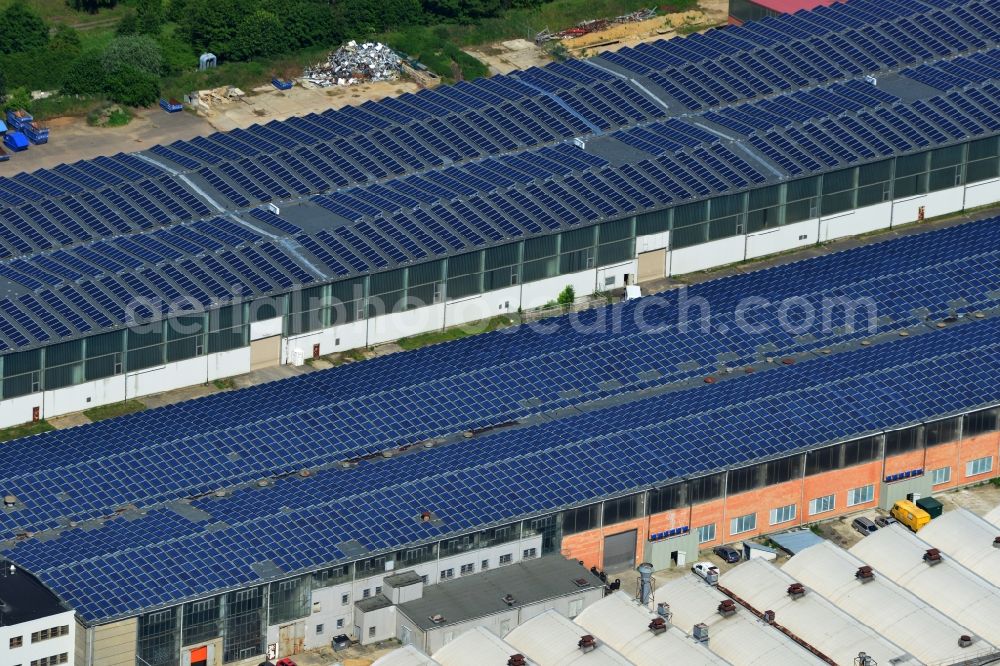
point(29, 651)
point(393, 326)
point(332, 607)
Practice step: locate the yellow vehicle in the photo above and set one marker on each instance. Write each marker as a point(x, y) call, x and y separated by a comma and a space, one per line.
point(910, 514)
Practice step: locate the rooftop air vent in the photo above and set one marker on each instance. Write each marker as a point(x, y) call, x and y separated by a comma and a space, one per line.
point(9, 501)
point(700, 632)
point(865, 574)
point(964, 640)
point(996, 542)
point(508, 599)
point(796, 590)
point(769, 616)
point(517, 660)
point(587, 643)
point(658, 625)
point(932, 556)
point(727, 607)
point(425, 516)
point(437, 618)
point(580, 582)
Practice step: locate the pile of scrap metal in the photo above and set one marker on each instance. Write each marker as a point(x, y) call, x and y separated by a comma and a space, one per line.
point(587, 27)
point(355, 63)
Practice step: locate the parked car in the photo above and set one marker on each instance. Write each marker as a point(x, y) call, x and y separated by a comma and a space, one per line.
point(864, 526)
point(728, 554)
point(706, 570)
point(885, 521)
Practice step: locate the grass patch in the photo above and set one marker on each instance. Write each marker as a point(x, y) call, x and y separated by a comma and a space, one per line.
point(114, 410)
point(60, 105)
point(243, 75)
point(24, 430)
point(109, 115)
point(57, 11)
point(455, 333)
point(224, 384)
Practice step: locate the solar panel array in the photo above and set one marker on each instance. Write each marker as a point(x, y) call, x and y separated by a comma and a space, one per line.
point(444, 171)
point(358, 410)
point(161, 558)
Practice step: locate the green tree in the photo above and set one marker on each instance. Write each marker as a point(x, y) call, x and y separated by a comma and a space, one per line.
point(258, 34)
point(210, 25)
point(132, 51)
point(310, 23)
point(66, 41)
point(23, 29)
point(129, 25)
point(364, 17)
point(464, 10)
point(18, 98)
point(3, 85)
point(567, 296)
point(91, 6)
point(150, 15)
point(85, 75)
point(133, 86)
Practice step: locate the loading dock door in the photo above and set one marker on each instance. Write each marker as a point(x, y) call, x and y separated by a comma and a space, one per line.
point(619, 551)
point(265, 352)
point(652, 265)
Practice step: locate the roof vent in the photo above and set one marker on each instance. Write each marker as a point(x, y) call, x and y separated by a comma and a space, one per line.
point(865, 574)
point(964, 640)
point(932, 556)
point(700, 632)
point(9, 501)
point(508, 599)
point(437, 618)
point(658, 625)
point(305, 473)
point(587, 643)
point(517, 660)
point(221, 492)
point(425, 516)
point(769, 616)
point(580, 582)
point(796, 590)
point(996, 542)
point(262, 483)
point(727, 607)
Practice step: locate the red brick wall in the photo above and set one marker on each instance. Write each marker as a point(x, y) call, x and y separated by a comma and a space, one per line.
point(589, 546)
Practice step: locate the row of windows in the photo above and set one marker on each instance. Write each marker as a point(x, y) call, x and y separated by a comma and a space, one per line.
point(855, 496)
point(39, 636)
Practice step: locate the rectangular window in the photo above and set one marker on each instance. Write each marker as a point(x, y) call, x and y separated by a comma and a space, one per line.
point(665, 499)
point(228, 329)
point(940, 475)
point(979, 466)
point(159, 640)
point(51, 661)
point(386, 292)
point(901, 441)
point(340, 623)
point(16, 642)
point(371, 632)
point(874, 183)
point(782, 514)
point(145, 349)
point(447, 574)
point(202, 620)
point(345, 599)
point(467, 569)
point(801, 200)
point(22, 373)
point(764, 208)
point(245, 625)
point(946, 167)
point(838, 191)
point(576, 250)
point(104, 355)
point(655, 222)
point(501, 266)
point(942, 432)
point(743, 524)
point(465, 275)
point(822, 504)
point(506, 559)
point(622, 509)
point(911, 176)
point(860, 495)
point(540, 260)
point(581, 519)
point(706, 488)
point(319, 629)
point(332, 576)
point(983, 159)
point(706, 533)
point(347, 301)
point(424, 282)
point(63, 364)
point(289, 600)
point(367, 592)
point(690, 224)
point(185, 338)
point(309, 310)
point(985, 420)
point(529, 554)
point(726, 215)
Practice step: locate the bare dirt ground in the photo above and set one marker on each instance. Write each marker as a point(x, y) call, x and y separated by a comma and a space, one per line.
point(72, 139)
point(266, 103)
point(505, 57)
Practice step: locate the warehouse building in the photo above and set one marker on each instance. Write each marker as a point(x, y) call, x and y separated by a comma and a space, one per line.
point(480, 645)
point(305, 237)
point(35, 627)
point(968, 539)
point(893, 611)
point(807, 615)
point(729, 631)
point(947, 585)
point(553, 640)
point(266, 519)
point(633, 630)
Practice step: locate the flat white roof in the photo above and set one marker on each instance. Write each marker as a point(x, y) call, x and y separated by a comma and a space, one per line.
point(405, 656)
point(993, 516)
point(478, 646)
point(550, 639)
point(897, 553)
point(741, 639)
point(811, 617)
point(924, 632)
point(623, 623)
point(968, 539)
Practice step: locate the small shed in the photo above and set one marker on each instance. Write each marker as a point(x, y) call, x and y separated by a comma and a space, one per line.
point(753, 550)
